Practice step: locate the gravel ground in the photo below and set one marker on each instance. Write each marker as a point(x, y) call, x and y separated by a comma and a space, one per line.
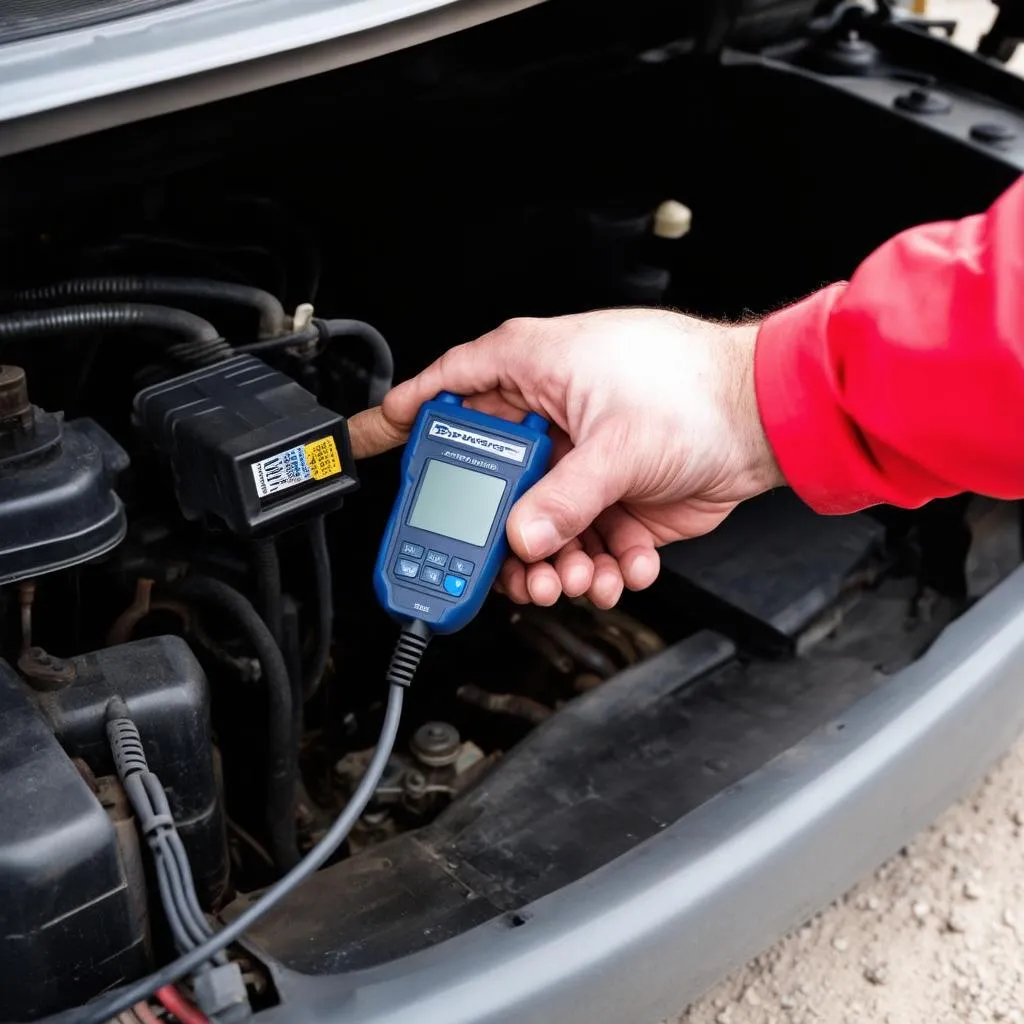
point(937, 935)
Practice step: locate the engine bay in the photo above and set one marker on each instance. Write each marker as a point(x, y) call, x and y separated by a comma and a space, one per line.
point(222, 287)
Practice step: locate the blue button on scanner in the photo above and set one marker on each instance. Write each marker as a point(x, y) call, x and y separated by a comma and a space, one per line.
point(431, 574)
point(460, 565)
point(454, 585)
point(410, 549)
point(403, 567)
point(437, 558)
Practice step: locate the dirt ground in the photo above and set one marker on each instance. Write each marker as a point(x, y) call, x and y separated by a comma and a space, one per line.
point(937, 935)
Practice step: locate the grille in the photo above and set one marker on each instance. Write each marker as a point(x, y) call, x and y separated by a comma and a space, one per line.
point(24, 19)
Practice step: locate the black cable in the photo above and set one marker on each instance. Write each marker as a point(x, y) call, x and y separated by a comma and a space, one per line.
point(283, 769)
point(268, 584)
point(200, 338)
point(382, 362)
point(102, 1009)
point(304, 336)
point(272, 318)
point(324, 605)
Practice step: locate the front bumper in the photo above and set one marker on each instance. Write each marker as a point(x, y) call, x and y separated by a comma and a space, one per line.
point(647, 933)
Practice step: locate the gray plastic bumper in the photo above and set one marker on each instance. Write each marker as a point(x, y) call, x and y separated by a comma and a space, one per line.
point(643, 936)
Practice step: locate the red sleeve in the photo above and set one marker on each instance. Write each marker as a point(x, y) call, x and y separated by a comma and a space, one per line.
point(906, 384)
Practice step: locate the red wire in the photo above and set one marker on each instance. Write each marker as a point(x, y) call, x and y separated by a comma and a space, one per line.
point(174, 1002)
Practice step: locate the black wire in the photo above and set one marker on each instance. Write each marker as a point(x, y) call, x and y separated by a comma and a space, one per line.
point(382, 362)
point(308, 334)
point(102, 1009)
point(324, 604)
point(283, 755)
point(267, 564)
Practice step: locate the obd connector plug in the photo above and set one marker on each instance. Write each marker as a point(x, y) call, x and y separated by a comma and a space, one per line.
point(249, 446)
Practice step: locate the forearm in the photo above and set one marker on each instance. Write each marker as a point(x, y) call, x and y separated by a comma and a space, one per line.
point(907, 384)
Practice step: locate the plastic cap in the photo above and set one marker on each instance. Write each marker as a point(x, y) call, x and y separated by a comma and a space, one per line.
point(672, 219)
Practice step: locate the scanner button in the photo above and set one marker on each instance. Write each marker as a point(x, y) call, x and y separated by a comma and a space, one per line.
point(438, 558)
point(431, 574)
point(454, 585)
point(460, 565)
point(411, 550)
point(406, 568)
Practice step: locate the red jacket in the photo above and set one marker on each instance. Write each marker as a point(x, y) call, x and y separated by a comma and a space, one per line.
point(906, 384)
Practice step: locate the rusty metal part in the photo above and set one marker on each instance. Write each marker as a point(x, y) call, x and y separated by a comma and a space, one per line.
point(15, 408)
point(587, 681)
point(44, 671)
point(26, 598)
point(114, 801)
point(513, 704)
point(436, 744)
point(613, 625)
point(541, 644)
point(143, 605)
point(248, 669)
point(584, 654)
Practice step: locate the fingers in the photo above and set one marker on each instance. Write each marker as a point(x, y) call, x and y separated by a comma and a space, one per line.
point(372, 433)
point(632, 544)
point(575, 572)
point(573, 493)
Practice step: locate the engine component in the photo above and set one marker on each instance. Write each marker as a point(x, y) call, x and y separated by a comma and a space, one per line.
point(165, 690)
point(71, 919)
point(57, 503)
point(770, 571)
point(248, 446)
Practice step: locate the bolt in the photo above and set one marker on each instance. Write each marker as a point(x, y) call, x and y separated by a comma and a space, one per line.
point(436, 744)
point(992, 133)
point(15, 408)
point(923, 101)
point(415, 783)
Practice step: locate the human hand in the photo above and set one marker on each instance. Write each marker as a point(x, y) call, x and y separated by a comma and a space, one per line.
point(655, 429)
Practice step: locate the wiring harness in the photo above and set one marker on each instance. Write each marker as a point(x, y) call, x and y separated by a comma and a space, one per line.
point(199, 957)
point(218, 985)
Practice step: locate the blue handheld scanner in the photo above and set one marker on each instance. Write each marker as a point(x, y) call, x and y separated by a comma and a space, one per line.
point(462, 472)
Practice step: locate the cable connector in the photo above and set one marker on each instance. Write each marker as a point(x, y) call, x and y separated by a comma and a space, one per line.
point(220, 994)
point(412, 642)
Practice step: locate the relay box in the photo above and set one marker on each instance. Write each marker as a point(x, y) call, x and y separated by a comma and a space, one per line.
point(248, 446)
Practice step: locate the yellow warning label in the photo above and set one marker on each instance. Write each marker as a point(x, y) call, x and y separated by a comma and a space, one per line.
point(322, 458)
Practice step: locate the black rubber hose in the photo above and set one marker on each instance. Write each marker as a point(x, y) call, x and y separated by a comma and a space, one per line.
point(199, 338)
point(382, 362)
point(272, 318)
point(324, 605)
point(268, 585)
point(283, 775)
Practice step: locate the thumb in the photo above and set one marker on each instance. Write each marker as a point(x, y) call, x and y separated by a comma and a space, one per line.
point(372, 433)
point(559, 507)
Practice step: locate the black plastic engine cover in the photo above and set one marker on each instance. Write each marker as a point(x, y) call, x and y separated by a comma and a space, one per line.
point(69, 920)
point(167, 694)
point(769, 571)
